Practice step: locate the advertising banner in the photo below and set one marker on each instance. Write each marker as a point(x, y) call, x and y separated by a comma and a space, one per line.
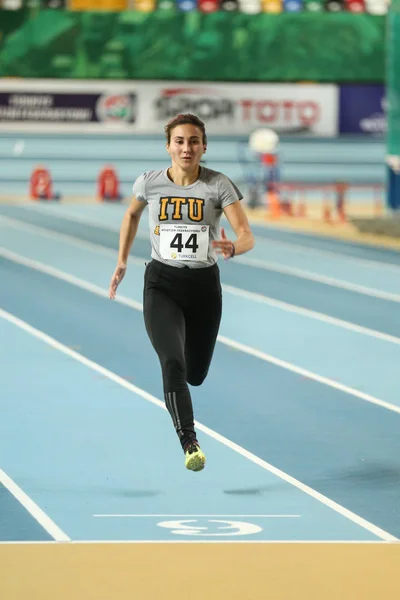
point(141, 107)
point(238, 109)
point(362, 109)
point(66, 107)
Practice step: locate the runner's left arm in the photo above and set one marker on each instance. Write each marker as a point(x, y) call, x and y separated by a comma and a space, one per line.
point(244, 237)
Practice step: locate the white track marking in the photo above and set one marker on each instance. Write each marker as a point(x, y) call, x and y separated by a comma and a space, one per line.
point(63, 237)
point(308, 374)
point(356, 260)
point(86, 221)
point(133, 516)
point(260, 239)
point(33, 509)
point(305, 312)
point(57, 273)
point(384, 535)
point(251, 262)
point(208, 541)
point(222, 339)
point(273, 265)
point(311, 276)
point(227, 288)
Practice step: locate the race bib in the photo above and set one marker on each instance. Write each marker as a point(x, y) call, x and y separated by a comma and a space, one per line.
point(184, 242)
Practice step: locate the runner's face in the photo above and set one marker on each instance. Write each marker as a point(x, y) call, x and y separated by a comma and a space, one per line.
point(186, 146)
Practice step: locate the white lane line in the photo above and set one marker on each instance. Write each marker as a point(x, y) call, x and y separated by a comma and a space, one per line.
point(268, 265)
point(208, 541)
point(230, 289)
point(260, 239)
point(222, 339)
point(63, 276)
point(33, 509)
point(133, 516)
point(384, 535)
point(308, 374)
point(63, 237)
point(305, 312)
point(252, 262)
point(316, 277)
point(309, 250)
point(85, 220)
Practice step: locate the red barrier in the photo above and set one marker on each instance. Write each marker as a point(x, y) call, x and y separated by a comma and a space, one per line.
point(108, 185)
point(41, 185)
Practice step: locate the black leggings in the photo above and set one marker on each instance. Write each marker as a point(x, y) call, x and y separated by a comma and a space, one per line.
point(182, 313)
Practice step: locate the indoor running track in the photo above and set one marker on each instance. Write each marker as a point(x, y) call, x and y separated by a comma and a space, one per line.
point(299, 416)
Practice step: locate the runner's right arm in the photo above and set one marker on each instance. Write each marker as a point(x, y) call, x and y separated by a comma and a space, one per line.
point(129, 227)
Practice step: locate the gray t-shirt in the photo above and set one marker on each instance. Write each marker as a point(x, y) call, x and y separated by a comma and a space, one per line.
point(184, 220)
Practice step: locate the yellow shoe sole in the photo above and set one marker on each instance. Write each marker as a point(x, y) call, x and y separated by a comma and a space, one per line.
point(195, 461)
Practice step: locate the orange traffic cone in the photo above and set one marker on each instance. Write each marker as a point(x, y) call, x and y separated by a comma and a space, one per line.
point(274, 205)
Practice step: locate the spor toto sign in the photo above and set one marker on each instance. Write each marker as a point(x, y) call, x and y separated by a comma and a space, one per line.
point(238, 109)
point(287, 111)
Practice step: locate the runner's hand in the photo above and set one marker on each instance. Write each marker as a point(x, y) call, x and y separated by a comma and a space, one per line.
point(223, 246)
point(116, 279)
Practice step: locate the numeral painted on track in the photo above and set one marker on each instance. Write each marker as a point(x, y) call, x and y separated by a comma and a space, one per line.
point(218, 528)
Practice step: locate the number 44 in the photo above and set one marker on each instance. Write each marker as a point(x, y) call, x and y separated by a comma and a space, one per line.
point(191, 243)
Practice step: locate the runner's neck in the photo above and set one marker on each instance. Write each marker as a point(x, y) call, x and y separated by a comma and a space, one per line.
point(181, 177)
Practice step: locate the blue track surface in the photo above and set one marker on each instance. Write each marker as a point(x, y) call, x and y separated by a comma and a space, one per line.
point(308, 387)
